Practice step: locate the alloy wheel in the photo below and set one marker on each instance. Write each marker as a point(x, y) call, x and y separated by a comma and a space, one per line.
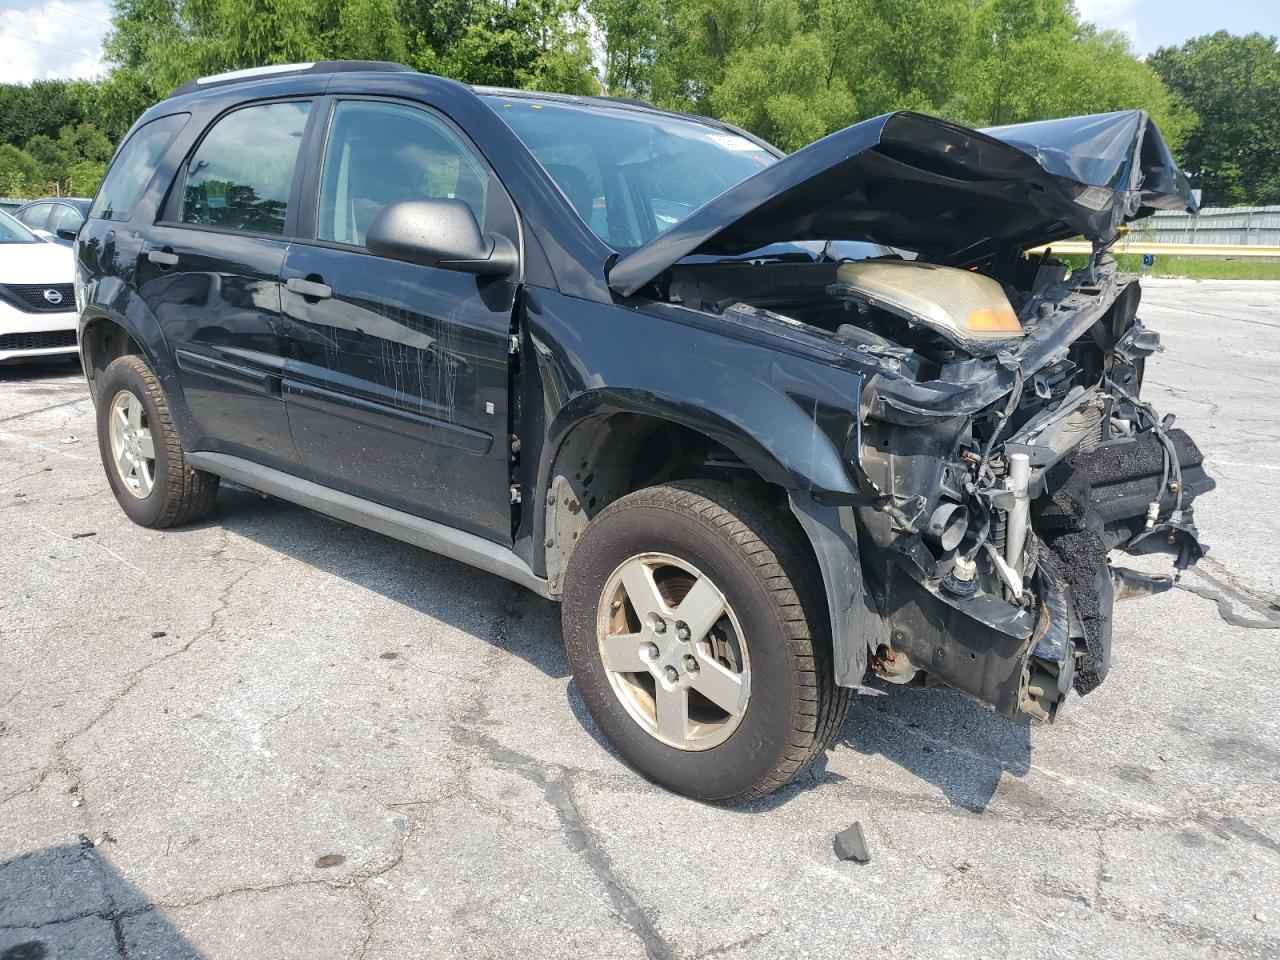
point(132, 447)
point(673, 651)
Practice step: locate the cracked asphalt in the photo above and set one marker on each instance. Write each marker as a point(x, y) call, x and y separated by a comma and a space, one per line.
point(274, 735)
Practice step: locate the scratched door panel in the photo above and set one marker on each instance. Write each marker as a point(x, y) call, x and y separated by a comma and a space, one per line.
point(219, 308)
point(396, 384)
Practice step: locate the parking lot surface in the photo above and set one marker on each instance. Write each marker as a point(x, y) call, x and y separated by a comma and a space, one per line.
point(275, 735)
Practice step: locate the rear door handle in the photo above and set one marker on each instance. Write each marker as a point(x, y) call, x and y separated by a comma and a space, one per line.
point(162, 258)
point(309, 289)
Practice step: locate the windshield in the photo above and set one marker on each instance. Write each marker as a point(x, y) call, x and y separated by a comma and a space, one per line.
point(630, 174)
point(11, 231)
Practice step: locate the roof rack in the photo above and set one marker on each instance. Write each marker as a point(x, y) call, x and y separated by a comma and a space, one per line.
point(276, 69)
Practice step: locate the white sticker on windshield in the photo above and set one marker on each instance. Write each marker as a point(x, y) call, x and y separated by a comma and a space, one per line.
point(731, 141)
point(1095, 198)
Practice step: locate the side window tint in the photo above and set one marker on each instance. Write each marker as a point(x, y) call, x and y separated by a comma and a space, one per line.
point(241, 174)
point(382, 153)
point(133, 167)
point(36, 217)
point(65, 218)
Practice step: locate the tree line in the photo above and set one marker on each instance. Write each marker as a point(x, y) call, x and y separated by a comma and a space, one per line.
point(788, 70)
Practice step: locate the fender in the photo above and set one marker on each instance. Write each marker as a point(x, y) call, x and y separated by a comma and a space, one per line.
point(788, 415)
point(108, 298)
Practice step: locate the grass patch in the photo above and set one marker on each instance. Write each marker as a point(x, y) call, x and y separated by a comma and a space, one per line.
point(1194, 268)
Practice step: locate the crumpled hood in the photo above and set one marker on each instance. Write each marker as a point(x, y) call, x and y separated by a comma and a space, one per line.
point(954, 195)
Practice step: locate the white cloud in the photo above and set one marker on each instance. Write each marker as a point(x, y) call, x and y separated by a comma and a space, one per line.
point(52, 38)
point(1119, 15)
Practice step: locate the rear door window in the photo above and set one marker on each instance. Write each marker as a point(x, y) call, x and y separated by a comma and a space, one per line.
point(36, 216)
point(65, 217)
point(134, 166)
point(241, 175)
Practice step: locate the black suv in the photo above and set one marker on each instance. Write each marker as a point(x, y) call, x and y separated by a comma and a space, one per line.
point(764, 424)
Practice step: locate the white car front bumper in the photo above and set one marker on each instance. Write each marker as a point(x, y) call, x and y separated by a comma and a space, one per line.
point(24, 335)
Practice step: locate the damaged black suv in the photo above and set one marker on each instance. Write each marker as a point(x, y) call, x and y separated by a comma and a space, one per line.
point(766, 425)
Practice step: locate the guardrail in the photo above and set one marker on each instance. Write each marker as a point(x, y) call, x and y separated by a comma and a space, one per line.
point(1140, 247)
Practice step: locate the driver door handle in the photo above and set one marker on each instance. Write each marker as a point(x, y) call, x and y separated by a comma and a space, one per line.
point(309, 289)
point(162, 258)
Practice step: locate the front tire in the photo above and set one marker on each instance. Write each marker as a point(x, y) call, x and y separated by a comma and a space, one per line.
point(695, 624)
point(141, 452)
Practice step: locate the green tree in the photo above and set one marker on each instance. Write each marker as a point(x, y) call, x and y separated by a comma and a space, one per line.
point(1233, 83)
point(1099, 74)
point(50, 155)
point(789, 90)
point(20, 174)
point(1018, 49)
point(633, 30)
point(905, 54)
point(525, 43)
point(41, 107)
point(702, 37)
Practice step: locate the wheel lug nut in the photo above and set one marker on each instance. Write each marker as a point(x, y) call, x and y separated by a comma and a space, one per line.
point(659, 625)
point(651, 651)
point(682, 630)
point(671, 674)
point(691, 664)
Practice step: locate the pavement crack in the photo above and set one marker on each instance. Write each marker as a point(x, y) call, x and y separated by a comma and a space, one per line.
point(556, 783)
point(59, 758)
point(52, 406)
point(583, 840)
point(734, 945)
point(1224, 592)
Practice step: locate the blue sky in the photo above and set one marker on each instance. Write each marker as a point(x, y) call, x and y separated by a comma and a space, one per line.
point(1151, 24)
point(63, 38)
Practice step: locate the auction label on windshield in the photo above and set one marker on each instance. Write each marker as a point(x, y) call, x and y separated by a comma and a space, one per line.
point(731, 141)
point(1095, 198)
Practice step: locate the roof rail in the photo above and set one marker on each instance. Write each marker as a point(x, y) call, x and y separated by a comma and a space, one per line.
point(321, 66)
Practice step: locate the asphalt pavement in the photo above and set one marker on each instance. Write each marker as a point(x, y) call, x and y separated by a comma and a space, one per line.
point(275, 735)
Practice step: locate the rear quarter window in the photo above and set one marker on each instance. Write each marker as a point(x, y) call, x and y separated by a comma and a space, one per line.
point(133, 167)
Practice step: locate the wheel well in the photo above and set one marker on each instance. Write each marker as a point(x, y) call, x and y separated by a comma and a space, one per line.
point(104, 340)
point(607, 457)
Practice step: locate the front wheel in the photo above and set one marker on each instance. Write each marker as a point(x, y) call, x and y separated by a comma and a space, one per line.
point(695, 625)
point(146, 468)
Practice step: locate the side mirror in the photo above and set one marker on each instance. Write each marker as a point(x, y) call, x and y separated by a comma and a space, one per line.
point(66, 233)
point(440, 233)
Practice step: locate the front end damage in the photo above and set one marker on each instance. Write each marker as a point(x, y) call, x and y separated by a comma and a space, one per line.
point(1000, 450)
point(1001, 487)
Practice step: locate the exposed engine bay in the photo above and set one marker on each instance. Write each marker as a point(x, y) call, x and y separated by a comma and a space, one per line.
point(1003, 452)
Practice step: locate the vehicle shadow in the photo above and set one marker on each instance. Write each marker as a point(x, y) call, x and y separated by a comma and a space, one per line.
point(40, 368)
point(941, 737)
point(937, 735)
point(66, 901)
point(482, 604)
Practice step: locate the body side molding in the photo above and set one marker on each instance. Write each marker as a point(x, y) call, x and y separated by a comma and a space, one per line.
point(436, 537)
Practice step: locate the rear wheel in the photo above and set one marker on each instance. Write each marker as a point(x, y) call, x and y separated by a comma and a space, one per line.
point(148, 473)
point(697, 636)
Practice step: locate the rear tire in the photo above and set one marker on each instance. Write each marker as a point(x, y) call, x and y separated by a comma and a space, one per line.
point(141, 452)
point(732, 557)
